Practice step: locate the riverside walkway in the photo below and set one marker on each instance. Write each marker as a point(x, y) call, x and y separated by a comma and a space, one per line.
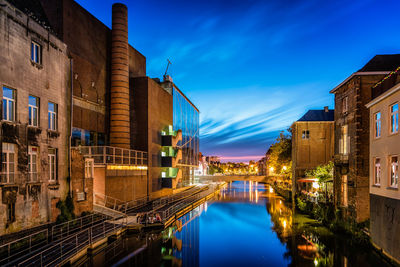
point(67, 242)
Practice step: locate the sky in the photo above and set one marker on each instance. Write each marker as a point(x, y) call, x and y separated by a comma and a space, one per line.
point(253, 67)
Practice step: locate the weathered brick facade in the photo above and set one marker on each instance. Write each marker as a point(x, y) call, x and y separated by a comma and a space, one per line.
point(353, 166)
point(32, 199)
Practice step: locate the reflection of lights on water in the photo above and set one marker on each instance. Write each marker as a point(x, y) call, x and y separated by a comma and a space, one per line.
point(256, 196)
point(284, 224)
point(280, 201)
point(315, 262)
point(271, 190)
point(205, 206)
point(315, 185)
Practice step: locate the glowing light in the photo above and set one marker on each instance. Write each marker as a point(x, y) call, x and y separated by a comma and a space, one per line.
point(271, 190)
point(126, 167)
point(284, 224)
point(315, 185)
point(284, 168)
point(271, 169)
point(315, 262)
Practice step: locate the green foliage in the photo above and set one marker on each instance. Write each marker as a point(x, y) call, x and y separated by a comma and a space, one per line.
point(212, 169)
point(281, 154)
point(323, 172)
point(66, 208)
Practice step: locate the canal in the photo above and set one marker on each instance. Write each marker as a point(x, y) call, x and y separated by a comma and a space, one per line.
point(246, 225)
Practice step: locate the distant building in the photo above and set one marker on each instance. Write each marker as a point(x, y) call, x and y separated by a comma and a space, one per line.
point(312, 143)
point(213, 160)
point(261, 166)
point(351, 182)
point(384, 165)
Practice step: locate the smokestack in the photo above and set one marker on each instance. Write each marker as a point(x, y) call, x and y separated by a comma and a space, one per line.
point(119, 109)
point(326, 108)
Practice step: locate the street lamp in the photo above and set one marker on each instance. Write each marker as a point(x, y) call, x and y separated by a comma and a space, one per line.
point(284, 168)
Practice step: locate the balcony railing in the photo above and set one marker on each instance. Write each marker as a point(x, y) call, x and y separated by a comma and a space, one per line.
point(113, 155)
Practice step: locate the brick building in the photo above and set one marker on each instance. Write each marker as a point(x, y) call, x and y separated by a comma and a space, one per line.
point(312, 143)
point(34, 82)
point(351, 182)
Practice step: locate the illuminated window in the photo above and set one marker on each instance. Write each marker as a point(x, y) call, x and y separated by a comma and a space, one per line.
point(378, 125)
point(8, 163)
point(32, 163)
point(163, 174)
point(8, 104)
point(394, 171)
point(305, 134)
point(344, 191)
point(394, 118)
point(377, 171)
point(344, 141)
point(33, 111)
point(36, 52)
point(52, 164)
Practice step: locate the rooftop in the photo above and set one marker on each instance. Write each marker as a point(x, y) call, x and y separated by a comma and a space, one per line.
point(382, 63)
point(318, 115)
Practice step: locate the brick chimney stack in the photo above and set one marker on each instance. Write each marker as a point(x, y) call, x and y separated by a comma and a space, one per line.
point(119, 108)
point(326, 108)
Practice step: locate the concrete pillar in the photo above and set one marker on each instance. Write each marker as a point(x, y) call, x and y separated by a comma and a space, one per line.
point(119, 109)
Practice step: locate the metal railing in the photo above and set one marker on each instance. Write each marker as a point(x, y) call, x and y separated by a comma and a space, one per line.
point(117, 204)
point(61, 230)
point(113, 155)
point(169, 199)
point(22, 246)
point(70, 246)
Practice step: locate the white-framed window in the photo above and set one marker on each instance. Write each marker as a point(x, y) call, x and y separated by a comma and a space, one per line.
point(344, 191)
point(345, 104)
point(394, 118)
point(33, 152)
point(89, 168)
point(377, 171)
point(344, 141)
point(394, 171)
point(33, 111)
point(378, 124)
point(8, 163)
point(36, 52)
point(52, 155)
point(52, 111)
point(9, 96)
point(305, 134)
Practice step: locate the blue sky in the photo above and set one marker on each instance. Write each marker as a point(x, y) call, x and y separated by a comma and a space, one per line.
point(253, 67)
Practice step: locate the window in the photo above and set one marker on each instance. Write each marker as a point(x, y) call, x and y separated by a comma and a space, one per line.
point(36, 52)
point(394, 118)
point(378, 125)
point(32, 163)
point(344, 141)
point(89, 168)
point(10, 212)
point(8, 104)
point(8, 163)
point(394, 171)
point(377, 171)
point(33, 111)
point(53, 109)
point(345, 104)
point(344, 191)
point(52, 164)
point(306, 134)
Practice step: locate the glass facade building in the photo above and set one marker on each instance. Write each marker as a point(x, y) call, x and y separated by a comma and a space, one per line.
point(186, 118)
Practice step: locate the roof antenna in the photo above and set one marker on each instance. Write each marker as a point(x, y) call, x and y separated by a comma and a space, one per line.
point(167, 77)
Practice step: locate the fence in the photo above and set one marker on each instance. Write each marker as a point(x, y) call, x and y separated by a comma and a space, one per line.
point(117, 204)
point(70, 246)
point(169, 199)
point(113, 155)
point(22, 246)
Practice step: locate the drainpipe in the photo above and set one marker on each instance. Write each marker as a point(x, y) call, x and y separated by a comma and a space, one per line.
point(71, 63)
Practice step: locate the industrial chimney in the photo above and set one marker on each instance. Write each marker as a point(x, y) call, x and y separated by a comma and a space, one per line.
point(119, 108)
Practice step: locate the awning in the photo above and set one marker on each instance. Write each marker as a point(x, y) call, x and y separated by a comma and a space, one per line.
point(307, 180)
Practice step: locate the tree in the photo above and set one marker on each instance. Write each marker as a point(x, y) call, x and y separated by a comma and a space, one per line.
point(281, 154)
